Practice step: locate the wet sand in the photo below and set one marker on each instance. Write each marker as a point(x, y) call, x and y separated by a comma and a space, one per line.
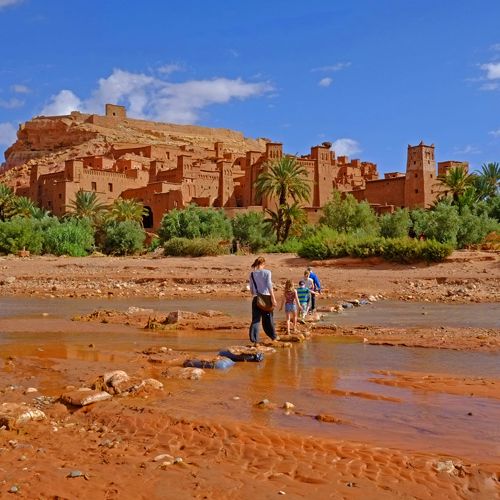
point(368, 421)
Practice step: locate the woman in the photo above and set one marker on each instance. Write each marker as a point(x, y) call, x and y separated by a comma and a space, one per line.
point(260, 282)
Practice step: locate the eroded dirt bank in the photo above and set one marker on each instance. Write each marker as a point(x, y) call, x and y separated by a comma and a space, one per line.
point(464, 277)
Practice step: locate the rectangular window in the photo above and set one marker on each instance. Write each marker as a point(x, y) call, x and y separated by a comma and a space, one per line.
point(110, 187)
point(94, 186)
point(60, 196)
point(416, 190)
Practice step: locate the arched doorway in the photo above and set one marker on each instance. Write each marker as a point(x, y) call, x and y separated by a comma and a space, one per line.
point(147, 220)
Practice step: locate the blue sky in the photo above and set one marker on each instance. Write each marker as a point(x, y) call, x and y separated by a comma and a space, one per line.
point(370, 75)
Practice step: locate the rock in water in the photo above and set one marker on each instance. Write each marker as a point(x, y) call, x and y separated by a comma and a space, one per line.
point(84, 398)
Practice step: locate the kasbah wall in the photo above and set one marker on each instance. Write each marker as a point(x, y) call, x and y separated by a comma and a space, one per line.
point(168, 177)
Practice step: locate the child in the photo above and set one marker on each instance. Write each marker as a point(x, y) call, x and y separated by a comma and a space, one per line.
point(304, 296)
point(309, 283)
point(291, 303)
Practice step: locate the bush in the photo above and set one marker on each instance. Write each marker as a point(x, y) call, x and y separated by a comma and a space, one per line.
point(195, 222)
point(440, 224)
point(473, 228)
point(346, 215)
point(72, 237)
point(250, 230)
point(403, 250)
point(197, 247)
point(123, 238)
point(291, 245)
point(395, 225)
point(21, 232)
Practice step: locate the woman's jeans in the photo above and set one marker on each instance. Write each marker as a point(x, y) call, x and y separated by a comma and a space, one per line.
point(267, 323)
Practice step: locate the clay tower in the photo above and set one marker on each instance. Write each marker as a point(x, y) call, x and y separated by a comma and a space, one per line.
point(420, 176)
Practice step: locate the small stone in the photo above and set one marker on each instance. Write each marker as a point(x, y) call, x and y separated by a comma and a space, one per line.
point(30, 389)
point(351, 484)
point(14, 489)
point(45, 314)
point(163, 457)
point(264, 402)
point(75, 473)
point(236, 398)
point(178, 460)
point(288, 406)
point(445, 466)
point(281, 492)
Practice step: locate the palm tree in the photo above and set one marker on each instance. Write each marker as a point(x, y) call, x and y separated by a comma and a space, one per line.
point(284, 178)
point(127, 210)
point(6, 197)
point(86, 205)
point(293, 215)
point(455, 182)
point(22, 207)
point(488, 179)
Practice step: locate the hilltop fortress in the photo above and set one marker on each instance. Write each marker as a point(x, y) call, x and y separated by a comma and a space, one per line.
point(169, 166)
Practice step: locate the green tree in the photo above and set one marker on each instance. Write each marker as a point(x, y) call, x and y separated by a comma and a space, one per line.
point(455, 182)
point(395, 225)
point(347, 215)
point(86, 205)
point(74, 237)
point(440, 224)
point(127, 210)
point(6, 197)
point(285, 180)
point(123, 237)
point(487, 180)
point(22, 207)
point(195, 222)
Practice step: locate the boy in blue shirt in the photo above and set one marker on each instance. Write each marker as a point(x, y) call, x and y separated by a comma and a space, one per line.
point(304, 296)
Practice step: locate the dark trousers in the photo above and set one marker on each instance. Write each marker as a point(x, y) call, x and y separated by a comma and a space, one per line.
point(267, 323)
point(313, 302)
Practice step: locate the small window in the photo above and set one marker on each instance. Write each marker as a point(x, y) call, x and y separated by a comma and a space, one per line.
point(414, 163)
point(60, 196)
point(110, 187)
point(94, 186)
point(416, 190)
point(416, 175)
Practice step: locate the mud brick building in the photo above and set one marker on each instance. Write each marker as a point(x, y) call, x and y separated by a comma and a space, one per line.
point(166, 176)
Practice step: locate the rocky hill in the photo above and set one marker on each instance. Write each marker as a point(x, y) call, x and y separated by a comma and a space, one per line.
point(52, 140)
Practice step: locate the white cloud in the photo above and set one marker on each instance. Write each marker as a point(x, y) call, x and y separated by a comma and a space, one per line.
point(7, 134)
point(20, 89)
point(156, 99)
point(490, 86)
point(469, 149)
point(325, 82)
point(62, 104)
point(167, 69)
point(6, 3)
point(11, 103)
point(333, 67)
point(492, 70)
point(495, 47)
point(495, 133)
point(346, 147)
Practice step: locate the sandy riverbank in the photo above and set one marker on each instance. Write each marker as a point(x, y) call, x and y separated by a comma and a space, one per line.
point(114, 443)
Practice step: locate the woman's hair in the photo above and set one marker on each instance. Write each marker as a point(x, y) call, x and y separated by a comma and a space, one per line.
point(288, 285)
point(307, 273)
point(258, 261)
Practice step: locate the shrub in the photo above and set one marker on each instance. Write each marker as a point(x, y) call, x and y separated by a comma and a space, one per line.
point(250, 230)
point(195, 222)
point(21, 232)
point(291, 245)
point(123, 238)
point(440, 224)
point(347, 214)
point(474, 228)
point(72, 237)
point(197, 247)
point(395, 225)
point(403, 250)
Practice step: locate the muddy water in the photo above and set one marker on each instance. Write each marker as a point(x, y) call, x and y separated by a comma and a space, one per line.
point(385, 313)
point(309, 375)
